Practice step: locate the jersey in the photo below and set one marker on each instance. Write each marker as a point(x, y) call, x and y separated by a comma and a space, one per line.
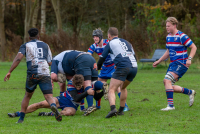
point(177, 46)
point(38, 55)
point(70, 87)
point(121, 52)
point(64, 62)
point(97, 49)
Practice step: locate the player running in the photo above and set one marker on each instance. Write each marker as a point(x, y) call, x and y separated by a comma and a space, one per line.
point(176, 43)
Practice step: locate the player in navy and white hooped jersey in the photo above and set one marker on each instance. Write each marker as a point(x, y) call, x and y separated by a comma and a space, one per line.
point(123, 56)
point(177, 43)
point(108, 67)
point(38, 59)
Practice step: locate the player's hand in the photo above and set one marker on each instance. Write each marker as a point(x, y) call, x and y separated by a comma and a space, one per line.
point(188, 63)
point(7, 77)
point(155, 63)
point(115, 67)
point(90, 91)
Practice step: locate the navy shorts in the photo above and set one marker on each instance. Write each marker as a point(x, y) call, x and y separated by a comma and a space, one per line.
point(65, 102)
point(106, 72)
point(125, 73)
point(178, 68)
point(44, 83)
point(86, 65)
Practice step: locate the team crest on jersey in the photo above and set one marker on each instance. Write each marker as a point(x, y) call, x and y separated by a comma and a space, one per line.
point(186, 37)
point(175, 39)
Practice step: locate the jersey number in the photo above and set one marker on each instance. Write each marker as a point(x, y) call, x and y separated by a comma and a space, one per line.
point(123, 45)
point(39, 52)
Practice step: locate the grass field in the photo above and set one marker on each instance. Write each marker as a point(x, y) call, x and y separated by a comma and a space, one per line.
point(146, 96)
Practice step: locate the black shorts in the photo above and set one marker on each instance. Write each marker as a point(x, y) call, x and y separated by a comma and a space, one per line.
point(44, 82)
point(86, 65)
point(125, 73)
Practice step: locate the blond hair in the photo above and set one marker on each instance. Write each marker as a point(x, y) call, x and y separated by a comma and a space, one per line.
point(172, 20)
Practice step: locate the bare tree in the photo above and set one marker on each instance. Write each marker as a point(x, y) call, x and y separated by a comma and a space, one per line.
point(56, 7)
point(35, 14)
point(43, 16)
point(28, 17)
point(2, 31)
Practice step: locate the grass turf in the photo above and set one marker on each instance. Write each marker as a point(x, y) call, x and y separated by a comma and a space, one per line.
point(146, 96)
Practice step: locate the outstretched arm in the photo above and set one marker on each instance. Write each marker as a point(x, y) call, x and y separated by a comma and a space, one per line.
point(15, 63)
point(165, 56)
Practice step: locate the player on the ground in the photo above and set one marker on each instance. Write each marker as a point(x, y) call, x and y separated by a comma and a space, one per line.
point(67, 101)
point(108, 67)
point(73, 62)
point(123, 56)
point(176, 44)
point(38, 58)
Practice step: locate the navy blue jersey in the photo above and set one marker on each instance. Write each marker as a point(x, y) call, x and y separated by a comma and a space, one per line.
point(38, 55)
point(121, 52)
point(64, 62)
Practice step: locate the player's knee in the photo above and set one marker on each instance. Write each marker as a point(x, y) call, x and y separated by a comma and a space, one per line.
point(169, 79)
point(69, 113)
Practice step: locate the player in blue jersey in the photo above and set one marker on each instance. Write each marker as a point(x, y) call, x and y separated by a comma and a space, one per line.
point(69, 100)
point(123, 56)
point(73, 62)
point(176, 43)
point(108, 67)
point(38, 58)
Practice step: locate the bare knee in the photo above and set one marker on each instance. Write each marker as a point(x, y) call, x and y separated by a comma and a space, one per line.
point(67, 113)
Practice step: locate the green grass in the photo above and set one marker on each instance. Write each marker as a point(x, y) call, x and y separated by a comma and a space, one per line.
point(146, 96)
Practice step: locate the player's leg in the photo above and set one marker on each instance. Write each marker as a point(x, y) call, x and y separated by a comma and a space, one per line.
point(31, 85)
point(46, 88)
point(126, 108)
point(62, 87)
point(68, 111)
point(186, 91)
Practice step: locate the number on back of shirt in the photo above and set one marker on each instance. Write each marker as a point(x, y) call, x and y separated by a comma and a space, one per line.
point(123, 45)
point(39, 52)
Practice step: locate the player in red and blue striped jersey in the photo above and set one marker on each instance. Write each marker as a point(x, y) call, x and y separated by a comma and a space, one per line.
point(177, 43)
point(108, 67)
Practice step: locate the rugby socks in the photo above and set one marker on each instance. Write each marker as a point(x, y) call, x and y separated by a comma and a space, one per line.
point(82, 104)
point(186, 91)
point(89, 98)
point(121, 109)
point(22, 115)
point(169, 93)
point(112, 107)
point(17, 114)
point(53, 104)
point(119, 97)
point(98, 104)
point(98, 85)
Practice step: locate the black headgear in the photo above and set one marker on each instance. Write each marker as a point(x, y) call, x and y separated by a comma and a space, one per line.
point(98, 33)
point(33, 32)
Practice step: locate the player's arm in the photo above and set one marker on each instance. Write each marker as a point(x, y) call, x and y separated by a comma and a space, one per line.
point(192, 53)
point(54, 70)
point(78, 97)
point(49, 57)
point(103, 56)
point(164, 57)
point(91, 50)
point(15, 63)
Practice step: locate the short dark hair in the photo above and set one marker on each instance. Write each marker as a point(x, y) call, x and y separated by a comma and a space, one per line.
point(33, 32)
point(113, 31)
point(77, 80)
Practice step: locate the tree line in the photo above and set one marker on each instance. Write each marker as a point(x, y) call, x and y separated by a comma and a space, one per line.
point(68, 24)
